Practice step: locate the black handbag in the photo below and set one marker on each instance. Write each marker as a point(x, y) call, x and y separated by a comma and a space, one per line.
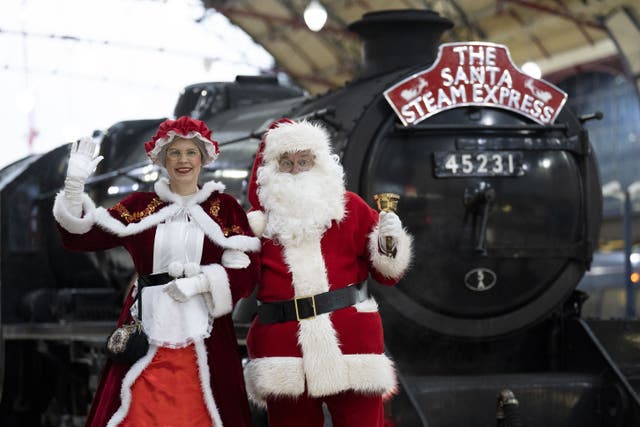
point(128, 343)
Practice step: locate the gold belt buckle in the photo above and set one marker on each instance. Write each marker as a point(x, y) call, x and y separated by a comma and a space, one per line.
point(313, 304)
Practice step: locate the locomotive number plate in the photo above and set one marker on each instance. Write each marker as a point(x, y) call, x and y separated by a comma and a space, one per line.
point(456, 164)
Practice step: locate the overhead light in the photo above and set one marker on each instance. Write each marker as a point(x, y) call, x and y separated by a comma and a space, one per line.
point(315, 15)
point(532, 69)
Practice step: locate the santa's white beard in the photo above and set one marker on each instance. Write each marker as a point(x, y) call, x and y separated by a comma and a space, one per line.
point(301, 206)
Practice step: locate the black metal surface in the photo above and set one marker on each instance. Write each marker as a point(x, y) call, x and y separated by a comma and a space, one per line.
point(398, 39)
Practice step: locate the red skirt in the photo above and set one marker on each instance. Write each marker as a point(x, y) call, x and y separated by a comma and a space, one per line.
point(169, 392)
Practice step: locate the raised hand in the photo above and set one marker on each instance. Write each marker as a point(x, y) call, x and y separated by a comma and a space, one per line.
point(389, 225)
point(83, 159)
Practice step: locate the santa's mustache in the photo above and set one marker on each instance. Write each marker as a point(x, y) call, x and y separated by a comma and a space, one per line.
point(300, 206)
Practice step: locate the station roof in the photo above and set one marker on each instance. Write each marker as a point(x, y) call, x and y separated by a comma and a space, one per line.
point(556, 34)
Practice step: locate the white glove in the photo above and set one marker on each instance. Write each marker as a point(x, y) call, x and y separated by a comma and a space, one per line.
point(233, 258)
point(389, 230)
point(83, 159)
point(389, 225)
point(184, 288)
point(82, 163)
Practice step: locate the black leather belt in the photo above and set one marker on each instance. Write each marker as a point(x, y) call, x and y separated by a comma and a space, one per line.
point(311, 306)
point(156, 279)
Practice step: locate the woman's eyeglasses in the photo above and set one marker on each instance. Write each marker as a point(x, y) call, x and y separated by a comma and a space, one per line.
point(177, 154)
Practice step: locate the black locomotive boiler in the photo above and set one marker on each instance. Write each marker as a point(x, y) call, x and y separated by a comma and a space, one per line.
point(498, 185)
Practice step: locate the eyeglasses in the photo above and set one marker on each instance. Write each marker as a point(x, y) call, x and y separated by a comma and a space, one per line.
point(177, 154)
point(300, 162)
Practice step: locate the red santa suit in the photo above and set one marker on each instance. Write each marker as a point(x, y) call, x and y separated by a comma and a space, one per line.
point(334, 354)
point(166, 232)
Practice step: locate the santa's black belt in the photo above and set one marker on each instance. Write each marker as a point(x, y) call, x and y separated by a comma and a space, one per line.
point(308, 307)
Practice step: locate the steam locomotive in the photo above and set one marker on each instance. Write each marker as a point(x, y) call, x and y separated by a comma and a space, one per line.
point(498, 185)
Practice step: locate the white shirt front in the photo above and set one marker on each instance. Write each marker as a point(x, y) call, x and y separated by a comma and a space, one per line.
point(169, 323)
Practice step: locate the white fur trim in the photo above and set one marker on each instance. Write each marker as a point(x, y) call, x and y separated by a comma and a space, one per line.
point(125, 391)
point(191, 269)
point(171, 135)
point(109, 223)
point(324, 366)
point(163, 190)
point(391, 267)
point(219, 289)
point(70, 222)
point(205, 383)
point(233, 258)
point(214, 233)
point(207, 224)
point(308, 271)
point(175, 269)
point(257, 222)
point(266, 377)
point(284, 376)
point(292, 137)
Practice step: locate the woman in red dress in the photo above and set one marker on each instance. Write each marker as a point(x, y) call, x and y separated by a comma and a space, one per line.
point(195, 245)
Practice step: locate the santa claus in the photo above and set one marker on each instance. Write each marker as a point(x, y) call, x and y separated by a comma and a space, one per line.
point(318, 335)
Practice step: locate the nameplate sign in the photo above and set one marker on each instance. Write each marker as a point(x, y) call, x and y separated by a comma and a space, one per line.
point(474, 73)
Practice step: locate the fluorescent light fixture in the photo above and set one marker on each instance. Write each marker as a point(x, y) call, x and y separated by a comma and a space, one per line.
point(315, 15)
point(231, 173)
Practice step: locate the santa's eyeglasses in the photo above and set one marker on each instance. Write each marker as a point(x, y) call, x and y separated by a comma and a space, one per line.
point(296, 162)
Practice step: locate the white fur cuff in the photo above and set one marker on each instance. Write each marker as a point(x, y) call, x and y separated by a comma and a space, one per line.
point(285, 376)
point(233, 258)
point(274, 377)
point(257, 222)
point(219, 288)
point(70, 222)
point(392, 267)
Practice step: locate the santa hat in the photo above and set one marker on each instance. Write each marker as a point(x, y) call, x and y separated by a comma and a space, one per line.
point(183, 127)
point(282, 136)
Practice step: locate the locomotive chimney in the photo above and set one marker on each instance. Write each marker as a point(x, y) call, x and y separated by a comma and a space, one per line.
point(395, 39)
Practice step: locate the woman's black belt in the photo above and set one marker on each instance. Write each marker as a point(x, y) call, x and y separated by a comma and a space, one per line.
point(156, 279)
point(310, 306)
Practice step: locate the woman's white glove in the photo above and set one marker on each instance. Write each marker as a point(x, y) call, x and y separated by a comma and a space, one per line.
point(184, 288)
point(389, 230)
point(82, 162)
point(83, 159)
point(233, 258)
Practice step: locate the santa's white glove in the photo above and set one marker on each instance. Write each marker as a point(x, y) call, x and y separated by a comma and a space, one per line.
point(389, 230)
point(233, 258)
point(82, 162)
point(184, 288)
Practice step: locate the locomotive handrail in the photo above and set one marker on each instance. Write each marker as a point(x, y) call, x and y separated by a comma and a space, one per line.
point(574, 144)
